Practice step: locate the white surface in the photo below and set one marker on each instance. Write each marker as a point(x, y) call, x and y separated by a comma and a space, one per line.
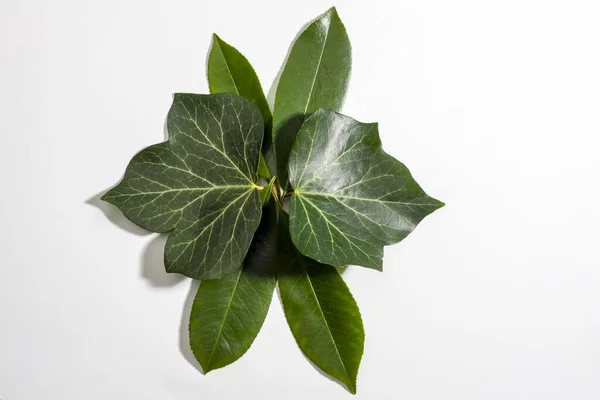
point(493, 105)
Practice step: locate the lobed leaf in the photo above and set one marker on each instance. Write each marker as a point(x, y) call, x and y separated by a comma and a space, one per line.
point(349, 200)
point(350, 197)
point(199, 185)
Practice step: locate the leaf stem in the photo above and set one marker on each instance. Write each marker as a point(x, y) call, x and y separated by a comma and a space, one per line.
point(274, 191)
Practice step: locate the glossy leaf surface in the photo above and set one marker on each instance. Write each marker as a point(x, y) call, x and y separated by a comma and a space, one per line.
point(315, 75)
point(228, 313)
point(321, 312)
point(350, 197)
point(199, 185)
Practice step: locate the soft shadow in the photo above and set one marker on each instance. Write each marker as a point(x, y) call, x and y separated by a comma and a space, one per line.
point(114, 215)
point(184, 337)
point(212, 43)
point(152, 259)
point(153, 266)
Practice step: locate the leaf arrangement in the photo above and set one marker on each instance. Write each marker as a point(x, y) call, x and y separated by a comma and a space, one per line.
point(220, 185)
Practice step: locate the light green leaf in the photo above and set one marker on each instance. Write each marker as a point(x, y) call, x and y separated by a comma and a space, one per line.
point(263, 168)
point(350, 197)
point(315, 76)
point(321, 312)
point(230, 72)
point(267, 193)
point(228, 313)
point(199, 185)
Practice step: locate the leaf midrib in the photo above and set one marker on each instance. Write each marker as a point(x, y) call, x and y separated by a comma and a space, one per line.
point(361, 198)
point(196, 189)
point(219, 215)
point(312, 87)
point(328, 328)
point(237, 90)
point(345, 235)
point(237, 282)
point(210, 143)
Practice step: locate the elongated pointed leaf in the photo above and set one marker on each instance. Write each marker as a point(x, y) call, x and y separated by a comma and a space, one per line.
point(267, 193)
point(350, 197)
point(228, 313)
point(315, 76)
point(230, 72)
point(322, 314)
point(199, 185)
point(263, 169)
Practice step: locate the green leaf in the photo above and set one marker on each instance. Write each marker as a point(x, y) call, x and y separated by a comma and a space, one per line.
point(199, 185)
point(263, 168)
point(315, 76)
point(230, 72)
point(228, 313)
point(350, 197)
point(267, 193)
point(321, 312)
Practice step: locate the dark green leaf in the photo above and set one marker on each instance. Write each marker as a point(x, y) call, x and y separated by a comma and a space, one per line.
point(230, 72)
point(321, 312)
point(199, 185)
point(315, 76)
point(228, 313)
point(350, 197)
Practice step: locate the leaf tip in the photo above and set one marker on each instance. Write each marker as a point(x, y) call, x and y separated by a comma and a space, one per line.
point(334, 16)
point(106, 197)
point(377, 265)
point(439, 204)
point(350, 384)
point(209, 364)
point(206, 369)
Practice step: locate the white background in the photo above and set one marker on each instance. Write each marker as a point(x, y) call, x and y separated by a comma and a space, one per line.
point(495, 107)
